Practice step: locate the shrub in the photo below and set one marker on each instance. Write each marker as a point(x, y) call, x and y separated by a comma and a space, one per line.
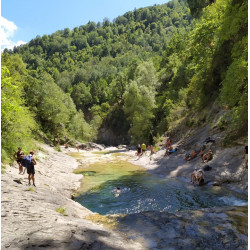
point(61, 210)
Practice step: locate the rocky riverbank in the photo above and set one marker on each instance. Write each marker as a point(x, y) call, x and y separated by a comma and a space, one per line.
point(227, 166)
point(45, 216)
point(213, 228)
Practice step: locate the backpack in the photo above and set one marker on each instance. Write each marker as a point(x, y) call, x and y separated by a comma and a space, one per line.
point(27, 161)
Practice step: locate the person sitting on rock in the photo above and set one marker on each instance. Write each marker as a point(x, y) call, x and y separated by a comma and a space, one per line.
point(193, 176)
point(168, 146)
point(187, 156)
point(169, 150)
point(172, 150)
point(200, 177)
point(190, 156)
point(207, 157)
point(202, 150)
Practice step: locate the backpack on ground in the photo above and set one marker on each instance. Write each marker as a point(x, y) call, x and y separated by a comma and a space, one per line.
point(27, 161)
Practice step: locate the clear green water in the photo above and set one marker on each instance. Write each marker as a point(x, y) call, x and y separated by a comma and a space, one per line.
point(145, 192)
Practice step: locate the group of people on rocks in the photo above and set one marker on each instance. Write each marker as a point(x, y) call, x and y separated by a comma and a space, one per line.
point(205, 157)
point(26, 161)
point(197, 177)
point(141, 149)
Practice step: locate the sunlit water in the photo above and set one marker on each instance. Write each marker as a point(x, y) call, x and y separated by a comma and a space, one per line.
point(145, 192)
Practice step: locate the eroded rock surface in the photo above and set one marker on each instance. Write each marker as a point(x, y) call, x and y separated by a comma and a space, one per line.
point(44, 217)
point(213, 228)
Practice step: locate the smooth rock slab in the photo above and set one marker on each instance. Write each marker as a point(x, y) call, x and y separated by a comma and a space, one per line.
point(211, 228)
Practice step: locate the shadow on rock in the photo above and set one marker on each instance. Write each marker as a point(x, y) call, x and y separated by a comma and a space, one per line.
point(73, 240)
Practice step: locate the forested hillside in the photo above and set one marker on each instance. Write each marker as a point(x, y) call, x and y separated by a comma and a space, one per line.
point(130, 79)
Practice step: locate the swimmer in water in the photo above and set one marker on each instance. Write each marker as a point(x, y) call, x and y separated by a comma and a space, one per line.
point(117, 192)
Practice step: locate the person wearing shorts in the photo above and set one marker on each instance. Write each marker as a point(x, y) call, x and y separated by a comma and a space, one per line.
point(143, 147)
point(19, 156)
point(31, 169)
point(139, 150)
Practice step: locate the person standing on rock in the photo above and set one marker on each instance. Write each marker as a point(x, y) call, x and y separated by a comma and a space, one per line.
point(152, 151)
point(138, 150)
point(31, 167)
point(19, 156)
point(143, 148)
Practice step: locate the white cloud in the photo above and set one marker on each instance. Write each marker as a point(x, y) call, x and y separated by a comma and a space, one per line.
point(7, 32)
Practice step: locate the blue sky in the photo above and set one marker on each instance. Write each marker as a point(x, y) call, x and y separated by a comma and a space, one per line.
point(22, 21)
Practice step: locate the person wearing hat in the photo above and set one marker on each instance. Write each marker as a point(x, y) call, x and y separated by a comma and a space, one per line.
point(31, 168)
point(18, 157)
point(193, 176)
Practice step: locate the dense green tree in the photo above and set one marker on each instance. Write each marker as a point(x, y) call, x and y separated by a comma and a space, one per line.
point(148, 68)
point(17, 122)
point(99, 91)
point(196, 6)
point(139, 102)
point(235, 84)
point(138, 106)
point(117, 88)
point(82, 96)
point(79, 129)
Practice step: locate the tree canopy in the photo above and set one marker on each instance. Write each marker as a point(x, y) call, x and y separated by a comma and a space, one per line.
point(134, 75)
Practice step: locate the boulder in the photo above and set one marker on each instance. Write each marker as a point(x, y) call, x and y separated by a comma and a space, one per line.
point(96, 146)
